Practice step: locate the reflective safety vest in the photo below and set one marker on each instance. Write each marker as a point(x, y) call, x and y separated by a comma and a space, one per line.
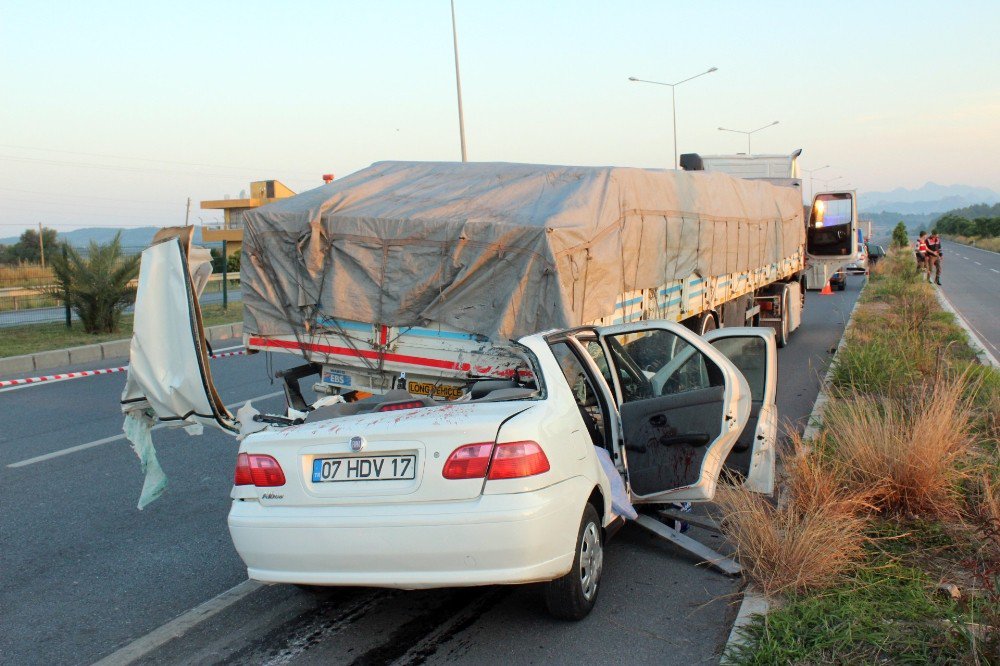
point(921, 246)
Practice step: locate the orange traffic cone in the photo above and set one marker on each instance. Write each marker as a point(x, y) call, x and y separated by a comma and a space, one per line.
point(826, 291)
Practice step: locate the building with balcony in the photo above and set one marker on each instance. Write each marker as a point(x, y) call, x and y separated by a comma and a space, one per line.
point(231, 231)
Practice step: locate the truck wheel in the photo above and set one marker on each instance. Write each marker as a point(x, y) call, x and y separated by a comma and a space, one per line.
point(707, 323)
point(572, 597)
point(781, 332)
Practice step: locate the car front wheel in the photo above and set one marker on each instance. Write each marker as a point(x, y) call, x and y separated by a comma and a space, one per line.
point(572, 596)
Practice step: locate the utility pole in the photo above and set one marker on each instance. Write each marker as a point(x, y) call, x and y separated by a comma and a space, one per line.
point(458, 84)
point(187, 213)
point(41, 244)
point(66, 303)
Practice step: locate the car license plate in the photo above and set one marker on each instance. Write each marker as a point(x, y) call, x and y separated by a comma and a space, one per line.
point(364, 468)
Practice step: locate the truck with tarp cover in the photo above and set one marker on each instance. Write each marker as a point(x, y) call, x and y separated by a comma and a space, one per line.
point(413, 274)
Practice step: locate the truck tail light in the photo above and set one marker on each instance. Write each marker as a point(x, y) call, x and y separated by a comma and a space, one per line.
point(468, 462)
point(513, 460)
point(508, 460)
point(255, 469)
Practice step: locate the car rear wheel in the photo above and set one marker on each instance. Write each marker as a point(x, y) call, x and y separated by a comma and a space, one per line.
point(573, 596)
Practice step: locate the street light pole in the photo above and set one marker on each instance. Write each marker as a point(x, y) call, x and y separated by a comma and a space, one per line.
point(811, 172)
point(673, 99)
point(749, 132)
point(825, 182)
point(458, 84)
point(673, 111)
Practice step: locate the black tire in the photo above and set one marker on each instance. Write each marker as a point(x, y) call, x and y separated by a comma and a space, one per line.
point(842, 286)
point(781, 332)
point(707, 323)
point(573, 596)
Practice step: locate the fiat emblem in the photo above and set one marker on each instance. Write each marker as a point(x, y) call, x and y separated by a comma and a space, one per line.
point(357, 443)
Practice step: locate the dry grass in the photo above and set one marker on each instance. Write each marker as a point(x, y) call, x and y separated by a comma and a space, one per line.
point(906, 453)
point(992, 244)
point(813, 484)
point(25, 275)
point(784, 550)
point(990, 502)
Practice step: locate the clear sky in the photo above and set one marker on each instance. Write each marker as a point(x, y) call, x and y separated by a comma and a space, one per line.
point(113, 113)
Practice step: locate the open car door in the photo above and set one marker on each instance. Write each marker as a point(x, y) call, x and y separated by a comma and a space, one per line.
point(682, 406)
point(832, 227)
point(754, 352)
point(168, 365)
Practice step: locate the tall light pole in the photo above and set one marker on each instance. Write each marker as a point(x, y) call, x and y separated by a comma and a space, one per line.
point(458, 84)
point(811, 172)
point(749, 132)
point(673, 98)
point(825, 182)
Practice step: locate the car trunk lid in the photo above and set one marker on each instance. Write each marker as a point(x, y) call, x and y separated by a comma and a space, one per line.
point(373, 454)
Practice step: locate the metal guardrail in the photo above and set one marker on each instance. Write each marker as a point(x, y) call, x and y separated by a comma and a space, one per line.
point(47, 289)
point(34, 304)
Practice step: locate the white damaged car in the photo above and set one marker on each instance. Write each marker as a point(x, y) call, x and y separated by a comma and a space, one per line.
point(503, 486)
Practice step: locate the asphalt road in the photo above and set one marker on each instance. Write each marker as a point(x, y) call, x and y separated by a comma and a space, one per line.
point(85, 573)
point(45, 315)
point(970, 278)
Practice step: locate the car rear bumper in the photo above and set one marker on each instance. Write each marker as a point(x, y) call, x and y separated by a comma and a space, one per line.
point(494, 539)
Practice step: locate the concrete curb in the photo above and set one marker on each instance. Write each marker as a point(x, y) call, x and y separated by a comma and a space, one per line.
point(985, 356)
point(754, 602)
point(56, 358)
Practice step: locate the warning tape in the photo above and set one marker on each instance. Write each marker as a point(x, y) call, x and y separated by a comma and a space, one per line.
point(60, 377)
point(90, 373)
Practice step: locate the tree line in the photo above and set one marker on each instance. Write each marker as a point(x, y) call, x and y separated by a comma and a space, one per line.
point(977, 221)
point(28, 249)
point(980, 227)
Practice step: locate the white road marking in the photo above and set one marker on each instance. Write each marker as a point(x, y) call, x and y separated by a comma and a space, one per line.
point(180, 625)
point(115, 438)
point(995, 270)
point(977, 340)
point(977, 263)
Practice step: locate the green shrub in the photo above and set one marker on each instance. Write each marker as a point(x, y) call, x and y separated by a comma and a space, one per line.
point(98, 285)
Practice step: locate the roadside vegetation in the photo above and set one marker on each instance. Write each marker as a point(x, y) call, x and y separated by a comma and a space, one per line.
point(978, 226)
point(98, 285)
point(884, 543)
point(31, 338)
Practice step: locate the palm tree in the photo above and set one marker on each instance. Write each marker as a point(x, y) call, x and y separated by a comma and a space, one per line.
point(98, 286)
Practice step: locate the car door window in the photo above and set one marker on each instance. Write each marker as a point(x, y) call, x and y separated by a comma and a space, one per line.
point(672, 404)
point(656, 362)
point(596, 352)
point(584, 393)
point(748, 354)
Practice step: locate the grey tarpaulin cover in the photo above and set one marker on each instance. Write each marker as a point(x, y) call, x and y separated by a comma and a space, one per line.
point(500, 249)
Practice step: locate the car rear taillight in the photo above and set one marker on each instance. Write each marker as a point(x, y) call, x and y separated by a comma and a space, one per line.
point(395, 406)
point(509, 460)
point(513, 460)
point(255, 469)
point(468, 462)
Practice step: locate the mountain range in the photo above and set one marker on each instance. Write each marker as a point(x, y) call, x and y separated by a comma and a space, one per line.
point(137, 238)
point(929, 199)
